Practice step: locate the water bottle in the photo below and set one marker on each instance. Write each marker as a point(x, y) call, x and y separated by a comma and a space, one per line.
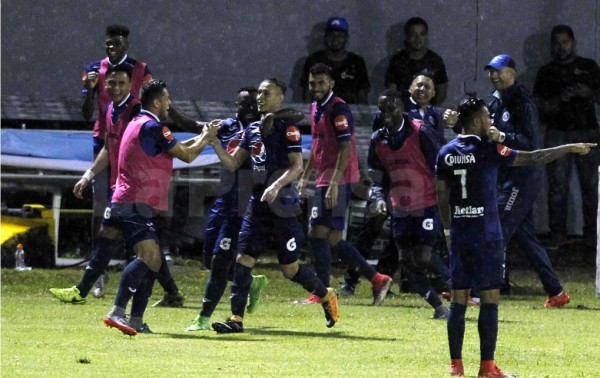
point(20, 257)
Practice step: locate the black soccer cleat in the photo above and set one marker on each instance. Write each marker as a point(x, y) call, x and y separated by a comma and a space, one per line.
point(228, 326)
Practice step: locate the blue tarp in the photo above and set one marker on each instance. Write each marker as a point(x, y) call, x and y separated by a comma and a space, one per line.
point(72, 150)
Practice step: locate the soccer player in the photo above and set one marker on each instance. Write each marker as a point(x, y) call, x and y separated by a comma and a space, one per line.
point(467, 174)
point(95, 94)
point(275, 152)
point(333, 159)
point(401, 162)
point(145, 170)
point(223, 224)
point(120, 111)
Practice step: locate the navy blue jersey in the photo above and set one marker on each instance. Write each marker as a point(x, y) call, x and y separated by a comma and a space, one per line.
point(269, 155)
point(230, 135)
point(470, 168)
point(155, 137)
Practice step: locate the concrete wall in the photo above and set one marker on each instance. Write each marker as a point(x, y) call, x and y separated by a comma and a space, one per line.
point(207, 49)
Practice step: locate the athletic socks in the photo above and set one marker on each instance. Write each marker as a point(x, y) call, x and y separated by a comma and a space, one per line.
point(142, 295)
point(488, 330)
point(216, 285)
point(165, 278)
point(456, 329)
point(310, 282)
point(350, 255)
point(101, 254)
point(421, 284)
point(321, 259)
point(240, 288)
point(131, 279)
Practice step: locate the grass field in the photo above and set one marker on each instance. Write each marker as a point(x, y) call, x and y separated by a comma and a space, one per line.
point(42, 337)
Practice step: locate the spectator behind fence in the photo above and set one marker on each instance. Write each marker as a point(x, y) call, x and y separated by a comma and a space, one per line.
point(349, 70)
point(567, 90)
point(415, 58)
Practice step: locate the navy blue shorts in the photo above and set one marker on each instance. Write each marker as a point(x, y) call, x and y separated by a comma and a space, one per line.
point(261, 223)
point(135, 220)
point(419, 227)
point(222, 230)
point(335, 218)
point(477, 264)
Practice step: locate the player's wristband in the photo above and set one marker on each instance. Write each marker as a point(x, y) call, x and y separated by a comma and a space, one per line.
point(88, 175)
point(502, 137)
point(446, 232)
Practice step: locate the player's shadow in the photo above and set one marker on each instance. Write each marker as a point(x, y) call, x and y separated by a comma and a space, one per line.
point(314, 42)
point(394, 42)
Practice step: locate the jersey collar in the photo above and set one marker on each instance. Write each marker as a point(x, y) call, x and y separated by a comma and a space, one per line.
point(150, 114)
point(124, 100)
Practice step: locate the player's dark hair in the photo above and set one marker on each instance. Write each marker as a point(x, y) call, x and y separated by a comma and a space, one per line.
point(468, 109)
point(391, 93)
point(249, 89)
point(151, 90)
point(425, 73)
point(117, 29)
point(561, 29)
point(415, 21)
point(321, 69)
point(120, 68)
point(278, 83)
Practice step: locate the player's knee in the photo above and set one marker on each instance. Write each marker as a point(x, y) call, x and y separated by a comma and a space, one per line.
point(289, 270)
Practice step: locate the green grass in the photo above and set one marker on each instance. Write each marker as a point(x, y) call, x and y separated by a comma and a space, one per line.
point(42, 337)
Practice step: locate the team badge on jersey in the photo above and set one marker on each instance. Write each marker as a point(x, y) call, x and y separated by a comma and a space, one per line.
point(505, 117)
point(232, 145)
point(503, 150)
point(341, 122)
point(167, 133)
point(292, 133)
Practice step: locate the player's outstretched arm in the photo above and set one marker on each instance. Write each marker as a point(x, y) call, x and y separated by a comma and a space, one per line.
point(547, 155)
point(188, 153)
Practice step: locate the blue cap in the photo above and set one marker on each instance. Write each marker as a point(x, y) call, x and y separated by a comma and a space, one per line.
point(501, 61)
point(337, 23)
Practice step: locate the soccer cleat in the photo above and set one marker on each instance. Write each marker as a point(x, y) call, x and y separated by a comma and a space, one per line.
point(171, 300)
point(456, 368)
point(347, 290)
point(380, 288)
point(144, 329)
point(558, 300)
point(259, 284)
point(228, 326)
point(201, 323)
point(488, 369)
point(69, 295)
point(100, 286)
point(441, 312)
point(331, 308)
point(120, 323)
point(312, 300)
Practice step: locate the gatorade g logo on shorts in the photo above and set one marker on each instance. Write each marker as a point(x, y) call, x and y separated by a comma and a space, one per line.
point(428, 224)
point(167, 133)
point(291, 244)
point(107, 213)
point(292, 133)
point(314, 212)
point(503, 150)
point(225, 244)
point(341, 123)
